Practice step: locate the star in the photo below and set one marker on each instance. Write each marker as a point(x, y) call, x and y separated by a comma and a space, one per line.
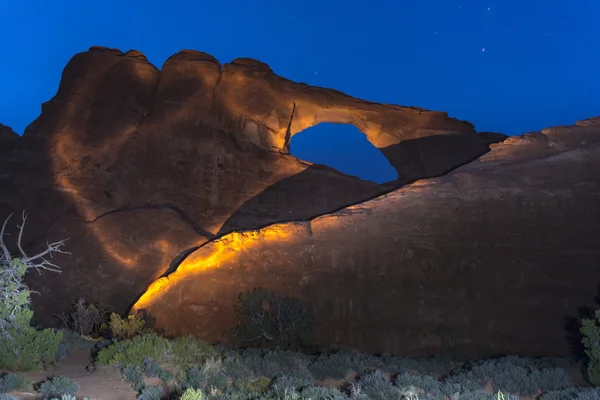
point(483, 50)
point(489, 8)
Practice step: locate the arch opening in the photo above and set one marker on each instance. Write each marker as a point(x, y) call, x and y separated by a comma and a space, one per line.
point(344, 148)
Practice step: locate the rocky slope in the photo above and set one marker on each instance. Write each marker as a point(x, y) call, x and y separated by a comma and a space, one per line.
point(137, 165)
point(493, 258)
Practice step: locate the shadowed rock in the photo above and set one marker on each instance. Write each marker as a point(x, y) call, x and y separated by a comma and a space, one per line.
point(8, 140)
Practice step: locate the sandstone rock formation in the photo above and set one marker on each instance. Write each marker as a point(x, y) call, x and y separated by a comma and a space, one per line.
point(490, 259)
point(8, 140)
point(138, 165)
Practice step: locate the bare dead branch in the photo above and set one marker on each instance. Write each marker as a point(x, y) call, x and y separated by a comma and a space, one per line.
point(5, 251)
point(20, 237)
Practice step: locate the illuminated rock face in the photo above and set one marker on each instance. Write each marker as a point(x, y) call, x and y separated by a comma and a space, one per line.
point(137, 165)
point(492, 258)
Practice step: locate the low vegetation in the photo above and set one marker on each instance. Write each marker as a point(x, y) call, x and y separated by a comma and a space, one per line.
point(22, 347)
point(273, 357)
point(269, 319)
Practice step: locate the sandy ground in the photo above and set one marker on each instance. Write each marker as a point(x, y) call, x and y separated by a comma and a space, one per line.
point(103, 384)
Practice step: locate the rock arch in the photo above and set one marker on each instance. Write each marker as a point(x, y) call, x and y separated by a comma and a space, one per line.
point(267, 110)
point(125, 149)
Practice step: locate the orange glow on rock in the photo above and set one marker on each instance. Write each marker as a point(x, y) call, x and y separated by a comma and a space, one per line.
point(216, 254)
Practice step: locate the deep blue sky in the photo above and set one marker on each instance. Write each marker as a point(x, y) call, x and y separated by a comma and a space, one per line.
point(508, 66)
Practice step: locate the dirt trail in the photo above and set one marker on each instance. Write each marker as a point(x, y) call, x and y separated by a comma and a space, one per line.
point(103, 384)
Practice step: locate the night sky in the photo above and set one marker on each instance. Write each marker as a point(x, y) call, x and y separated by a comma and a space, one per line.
point(508, 66)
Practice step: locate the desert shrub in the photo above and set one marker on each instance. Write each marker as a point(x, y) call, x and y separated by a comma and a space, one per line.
point(151, 393)
point(151, 368)
point(290, 363)
point(85, 318)
point(189, 350)
point(71, 339)
point(257, 365)
point(572, 394)
point(63, 350)
point(510, 374)
point(193, 394)
point(134, 351)
point(22, 347)
point(434, 366)
point(590, 330)
point(427, 386)
point(338, 365)
point(127, 328)
point(10, 382)
point(133, 375)
point(462, 380)
point(271, 320)
point(377, 387)
point(58, 386)
point(321, 393)
point(208, 376)
point(479, 394)
point(283, 384)
point(257, 385)
point(288, 359)
point(238, 370)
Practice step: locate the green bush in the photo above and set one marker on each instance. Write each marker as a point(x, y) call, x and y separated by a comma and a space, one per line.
point(58, 386)
point(572, 394)
point(338, 365)
point(268, 319)
point(189, 350)
point(10, 382)
point(283, 384)
point(151, 393)
point(134, 351)
point(22, 347)
point(27, 348)
point(193, 394)
point(128, 328)
point(209, 375)
point(377, 386)
point(322, 393)
point(258, 385)
point(590, 330)
point(133, 375)
point(510, 374)
point(257, 365)
point(425, 383)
